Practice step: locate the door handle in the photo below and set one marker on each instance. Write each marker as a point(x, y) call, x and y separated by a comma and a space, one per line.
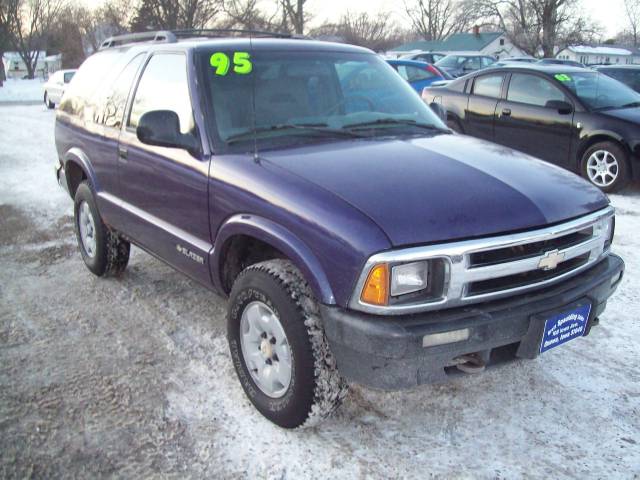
point(122, 152)
point(506, 112)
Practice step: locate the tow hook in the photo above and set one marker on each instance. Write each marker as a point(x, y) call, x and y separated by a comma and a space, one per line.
point(471, 363)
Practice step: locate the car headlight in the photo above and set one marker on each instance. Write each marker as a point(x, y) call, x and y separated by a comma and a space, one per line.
point(399, 283)
point(605, 228)
point(409, 278)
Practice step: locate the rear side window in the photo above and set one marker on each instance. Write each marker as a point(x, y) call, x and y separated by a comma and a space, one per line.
point(488, 85)
point(414, 74)
point(81, 96)
point(532, 90)
point(116, 97)
point(486, 61)
point(163, 86)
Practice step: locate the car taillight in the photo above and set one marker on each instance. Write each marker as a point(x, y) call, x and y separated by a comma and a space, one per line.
point(434, 70)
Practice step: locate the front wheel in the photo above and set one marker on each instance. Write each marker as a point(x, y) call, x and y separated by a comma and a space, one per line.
point(278, 346)
point(50, 105)
point(605, 166)
point(103, 251)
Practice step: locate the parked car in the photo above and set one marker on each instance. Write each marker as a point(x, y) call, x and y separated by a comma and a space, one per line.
point(458, 65)
point(54, 87)
point(577, 118)
point(559, 61)
point(428, 57)
point(354, 234)
point(418, 74)
point(627, 74)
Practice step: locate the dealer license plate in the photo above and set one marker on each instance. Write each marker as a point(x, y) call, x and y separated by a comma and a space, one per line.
point(565, 326)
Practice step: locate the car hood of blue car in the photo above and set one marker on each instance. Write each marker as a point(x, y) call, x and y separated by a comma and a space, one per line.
point(443, 187)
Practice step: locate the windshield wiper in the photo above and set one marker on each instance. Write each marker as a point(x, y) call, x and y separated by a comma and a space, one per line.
point(630, 105)
point(395, 121)
point(311, 128)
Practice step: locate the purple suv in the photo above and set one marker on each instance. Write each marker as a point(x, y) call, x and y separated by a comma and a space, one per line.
point(355, 235)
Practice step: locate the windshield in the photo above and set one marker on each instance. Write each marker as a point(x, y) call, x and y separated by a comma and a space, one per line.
point(599, 91)
point(301, 97)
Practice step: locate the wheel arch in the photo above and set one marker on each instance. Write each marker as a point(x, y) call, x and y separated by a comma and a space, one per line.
point(78, 168)
point(266, 233)
point(598, 137)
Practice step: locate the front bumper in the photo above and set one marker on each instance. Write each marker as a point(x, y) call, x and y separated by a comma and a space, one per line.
point(387, 352)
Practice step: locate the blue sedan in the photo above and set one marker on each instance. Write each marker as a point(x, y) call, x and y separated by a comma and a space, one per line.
point(418, 74)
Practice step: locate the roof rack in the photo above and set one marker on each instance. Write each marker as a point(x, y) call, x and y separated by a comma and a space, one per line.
point(171, 36)
point(160, 36)
point(221, 32)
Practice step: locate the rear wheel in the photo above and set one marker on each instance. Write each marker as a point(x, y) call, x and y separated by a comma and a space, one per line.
point(278, 346)
point(47, 102)
point(605, 166)
point(103, 251)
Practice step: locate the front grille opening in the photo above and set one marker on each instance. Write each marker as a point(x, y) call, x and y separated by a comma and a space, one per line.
point(528, 250)
point(526, 278)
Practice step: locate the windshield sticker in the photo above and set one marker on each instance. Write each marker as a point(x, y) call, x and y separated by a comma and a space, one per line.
point(563, 77)
point(241, 63)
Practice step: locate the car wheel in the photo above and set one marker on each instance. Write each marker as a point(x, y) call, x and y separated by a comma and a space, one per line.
point(605, 165)
point(50, 105)
point(454, 125)
point(103, 251)
point(278, 346)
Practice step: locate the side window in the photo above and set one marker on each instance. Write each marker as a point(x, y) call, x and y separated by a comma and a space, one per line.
point(415, 74)
point(471, 63)
point(116, 99)
point(163, 86)
point(486, 61)
point(68, 76)
point(532, 90)
point(488, 85)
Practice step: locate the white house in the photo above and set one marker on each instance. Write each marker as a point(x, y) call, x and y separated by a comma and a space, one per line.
point(599, 55)
point(478, 43)
point(14, 66)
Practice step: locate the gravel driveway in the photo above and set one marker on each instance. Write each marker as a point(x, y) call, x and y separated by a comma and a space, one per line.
point(132, 378)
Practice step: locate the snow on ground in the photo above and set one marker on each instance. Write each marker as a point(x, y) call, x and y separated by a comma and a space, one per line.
point(17, 90)
point(132, 377)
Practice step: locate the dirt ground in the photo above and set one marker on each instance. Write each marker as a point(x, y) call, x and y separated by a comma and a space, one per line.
point(131, 377)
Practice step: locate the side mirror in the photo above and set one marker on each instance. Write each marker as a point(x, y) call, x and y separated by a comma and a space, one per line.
point(162, 128)
point(439, 110)
point(563, 108)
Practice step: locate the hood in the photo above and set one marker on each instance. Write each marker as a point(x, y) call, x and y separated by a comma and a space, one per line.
point(628, 114)
point(442, 188)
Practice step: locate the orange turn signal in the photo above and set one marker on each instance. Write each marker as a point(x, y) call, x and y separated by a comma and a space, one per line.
point(376, 288)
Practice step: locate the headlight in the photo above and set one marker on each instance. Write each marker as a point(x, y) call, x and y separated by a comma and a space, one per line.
point(605, 228)
point(409, 278)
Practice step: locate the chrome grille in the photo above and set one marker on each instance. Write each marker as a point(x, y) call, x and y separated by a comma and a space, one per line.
point(483, 269)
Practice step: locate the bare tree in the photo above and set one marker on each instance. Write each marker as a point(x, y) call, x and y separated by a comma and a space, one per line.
point(246, 14)
point(27, 23)
point(437, 19)
point(377, 32)
point(542, 26)
point(175, 14)
point(293, 13)
point(632, 9)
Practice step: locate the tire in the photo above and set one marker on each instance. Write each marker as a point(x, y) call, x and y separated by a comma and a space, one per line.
point(103, 251)
point(315, 388)
point(614, 162)
point(454, 125)
point(50, 105)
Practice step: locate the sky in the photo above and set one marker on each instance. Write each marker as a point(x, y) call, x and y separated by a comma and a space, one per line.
point(609, 13)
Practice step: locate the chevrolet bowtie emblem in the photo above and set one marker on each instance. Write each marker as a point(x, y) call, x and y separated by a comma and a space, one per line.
point(551, 260)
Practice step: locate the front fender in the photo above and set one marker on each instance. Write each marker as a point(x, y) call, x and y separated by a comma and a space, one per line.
point(280, 238)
